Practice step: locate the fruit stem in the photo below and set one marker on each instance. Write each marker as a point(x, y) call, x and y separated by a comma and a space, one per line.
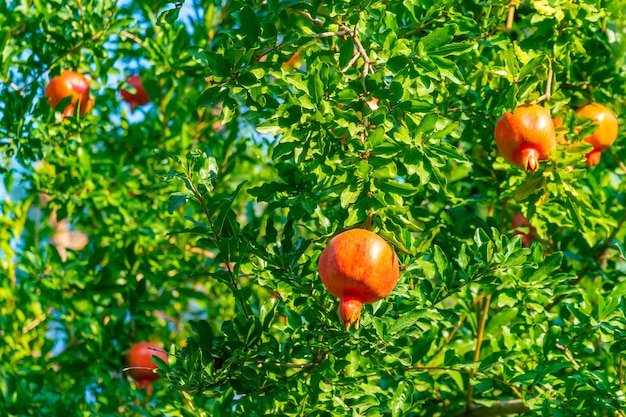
point(368, 221)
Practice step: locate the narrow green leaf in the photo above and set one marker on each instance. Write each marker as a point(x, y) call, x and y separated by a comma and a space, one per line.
point(346, 52)
point(437, 38)
point(168, 17)
point(405, 320)
point(316, 88)
point(427, 124)
point(530, 67)
point(250, 23)
point(402, 399)
point(176, 200)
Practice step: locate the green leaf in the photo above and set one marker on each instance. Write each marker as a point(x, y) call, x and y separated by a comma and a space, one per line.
point(250, 23)
point(441, 260)
point(346, 52)
point(437, 38)
point(402, 399)
point(454, 49)
point(350, 194)
point(397, 63)
point(210, 97)
point(218, 64)
point(176, 200)
point(404, 321)
point(531, 67)
point(427, 124)
point(316, 87)
point(168, 17)
point(270, 127)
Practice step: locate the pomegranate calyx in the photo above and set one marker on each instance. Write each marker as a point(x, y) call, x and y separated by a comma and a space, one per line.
point(350, 312)
point(593, 157)
point(530, 159)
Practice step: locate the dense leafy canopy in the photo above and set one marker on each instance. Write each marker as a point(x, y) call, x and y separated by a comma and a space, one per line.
point(196, 221)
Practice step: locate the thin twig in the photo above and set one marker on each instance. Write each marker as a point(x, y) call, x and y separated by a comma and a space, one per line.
point(482, 315)
point(352, 61)
point(548, 92)
point(500, 408)
point(568, 355)
point(617, 160)
point(131, 37)
point(231, 273)
point(329, 34)
point(510, 18)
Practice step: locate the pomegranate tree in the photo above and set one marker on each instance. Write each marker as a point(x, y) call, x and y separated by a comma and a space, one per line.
point(358, 267)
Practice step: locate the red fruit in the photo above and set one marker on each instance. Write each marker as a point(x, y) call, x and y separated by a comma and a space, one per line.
point(604, 135)
point(137, 96)
point(527, 238)
point(358, 266)
point(140, 355)
point(525, 136)
point(70, 84)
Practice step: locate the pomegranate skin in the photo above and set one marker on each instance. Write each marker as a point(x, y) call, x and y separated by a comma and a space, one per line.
point(140, 355)
point(139, 96)
point(70, 84)
point(605, 133)
point(525, 136)
point(527, 238)
point(358, 266)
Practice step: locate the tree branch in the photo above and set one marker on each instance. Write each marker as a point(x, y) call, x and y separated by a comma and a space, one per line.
point(482, 317)
point(510, 18)
point(329, 34)
point(500, 408)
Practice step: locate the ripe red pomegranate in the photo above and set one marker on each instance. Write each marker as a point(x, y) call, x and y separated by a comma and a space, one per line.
point(140, 356)
point(604, 135)
point(527, 238)
point(525, 136)
point(137, 96)
point(70, 84)
point(358, 266)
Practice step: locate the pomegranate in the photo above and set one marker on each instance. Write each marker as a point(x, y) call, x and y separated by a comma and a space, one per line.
point(526, 136)
point(358, 266)
point(140, 356)
point(137, 96)
point(527, 238)
point(70, 84)
point(604, 135)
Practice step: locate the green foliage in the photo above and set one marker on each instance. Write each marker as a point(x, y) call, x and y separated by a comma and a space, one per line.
point(196, 221)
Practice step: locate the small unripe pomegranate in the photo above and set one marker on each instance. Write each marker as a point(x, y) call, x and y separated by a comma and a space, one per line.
point(140, 356)
point(525, 136)
point(70, 84)
point(358, 266)
point(136, 97)
point(604, 135)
